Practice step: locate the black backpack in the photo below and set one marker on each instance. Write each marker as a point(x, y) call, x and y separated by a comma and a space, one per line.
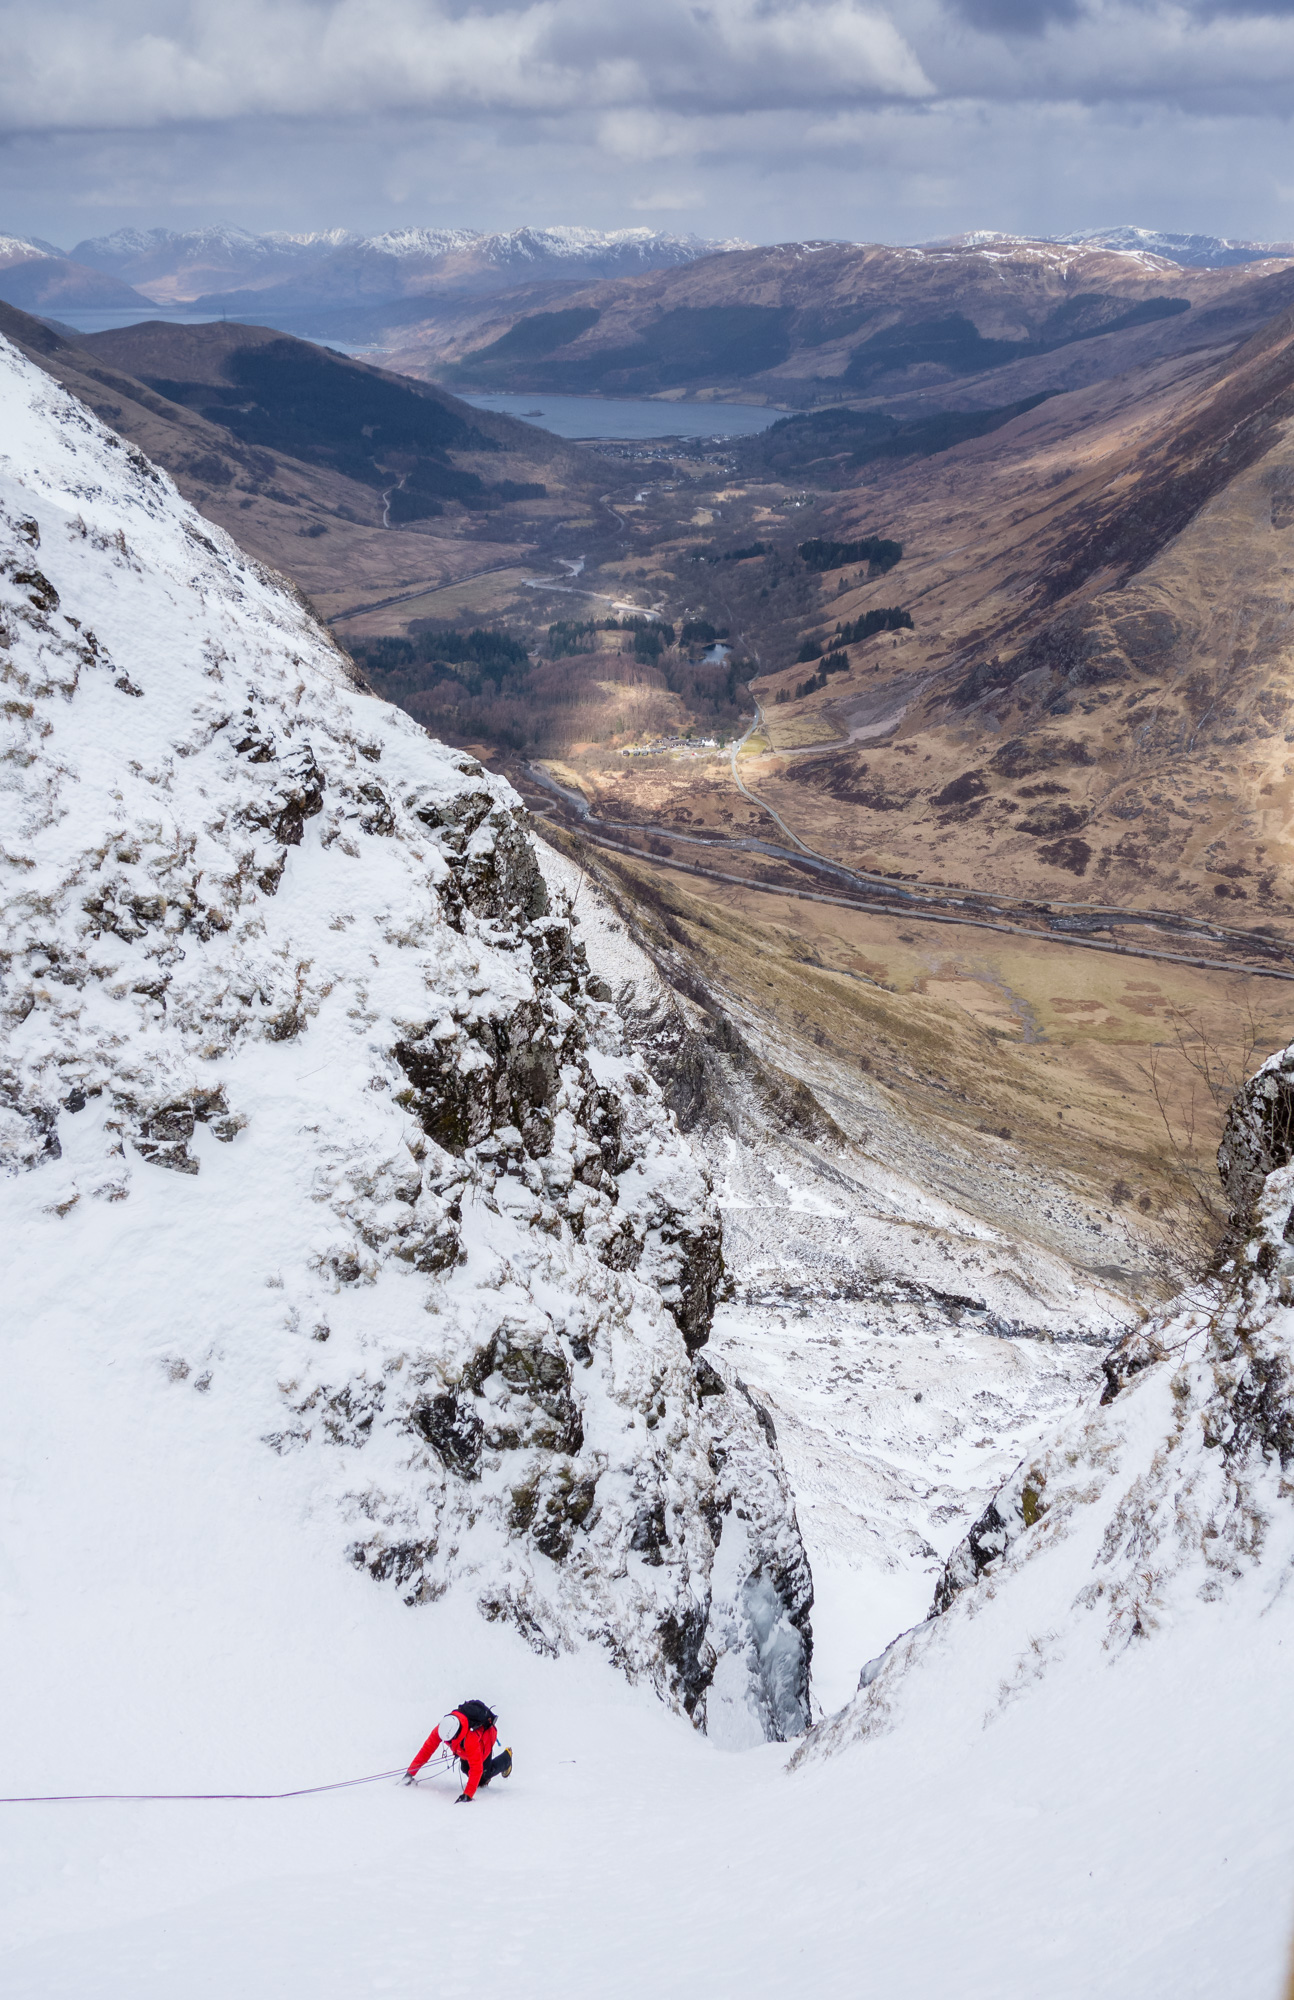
point(476, 1714)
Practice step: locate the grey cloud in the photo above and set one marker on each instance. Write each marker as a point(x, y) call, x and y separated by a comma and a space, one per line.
point(761, 118)
point(150, 64)
point(81, 64)
point(1016, 17)
point(1034, 17)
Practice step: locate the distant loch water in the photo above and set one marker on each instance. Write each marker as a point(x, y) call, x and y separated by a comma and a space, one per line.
point(630, 417)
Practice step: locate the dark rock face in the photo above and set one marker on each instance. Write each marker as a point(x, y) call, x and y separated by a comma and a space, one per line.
point(1257, 1140)
point(293, 792)
point(163, 1133)
point(400, 1563)
point(536, 1409)
point(650, 1534)
point(495, 872)
point(1261, 1409)
point(514, 1087)
point(683, 1645)
point(1137, 1350)
point(986, 1540)
point(454, 1433)
point(164, 1138)
point(692, 1299)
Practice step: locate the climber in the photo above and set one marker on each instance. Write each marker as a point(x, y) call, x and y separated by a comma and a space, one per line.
point(468, 1733)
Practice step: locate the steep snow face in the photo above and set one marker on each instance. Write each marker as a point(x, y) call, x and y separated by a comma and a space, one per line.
point(1153, 1536)
point(311, 1107)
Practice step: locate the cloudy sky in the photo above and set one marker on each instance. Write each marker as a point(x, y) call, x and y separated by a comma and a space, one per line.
point(764, 119)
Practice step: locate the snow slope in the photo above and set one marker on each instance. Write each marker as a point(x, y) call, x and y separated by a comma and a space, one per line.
point(1116, 1826)
point(314, 1115)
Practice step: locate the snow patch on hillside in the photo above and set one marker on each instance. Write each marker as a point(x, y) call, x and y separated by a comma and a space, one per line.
point(21, 250)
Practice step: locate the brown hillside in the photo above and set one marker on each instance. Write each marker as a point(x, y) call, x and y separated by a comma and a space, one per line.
point(800, 324)
point(1096, 702)
point(304, 516)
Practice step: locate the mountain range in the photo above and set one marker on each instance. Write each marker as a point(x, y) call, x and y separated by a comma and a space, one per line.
point(231, 270)
point(908, 330)
point(350, 285)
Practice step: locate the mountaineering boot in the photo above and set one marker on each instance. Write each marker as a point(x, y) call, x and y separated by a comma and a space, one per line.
point(499, 1766)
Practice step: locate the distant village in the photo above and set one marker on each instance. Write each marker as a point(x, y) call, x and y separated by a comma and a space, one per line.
point(674, 745)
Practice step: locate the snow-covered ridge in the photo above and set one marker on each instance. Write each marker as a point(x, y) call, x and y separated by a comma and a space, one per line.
point(156, 253)
point(1196, 251)
point(1158, 1521)
point(563, 241)
point(18, 249)
point(310, 1105)
point(1156, 249)
point(219, 239)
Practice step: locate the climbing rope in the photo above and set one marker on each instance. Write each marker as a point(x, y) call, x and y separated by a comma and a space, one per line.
point(140, 1798)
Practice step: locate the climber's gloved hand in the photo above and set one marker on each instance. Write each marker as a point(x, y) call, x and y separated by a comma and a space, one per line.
point(409, 1778)
point(462, 1800)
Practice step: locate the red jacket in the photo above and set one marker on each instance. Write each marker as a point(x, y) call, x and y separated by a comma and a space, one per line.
point(473, 1745)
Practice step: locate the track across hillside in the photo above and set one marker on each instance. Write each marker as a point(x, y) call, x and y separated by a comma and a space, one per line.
point(1076, 924)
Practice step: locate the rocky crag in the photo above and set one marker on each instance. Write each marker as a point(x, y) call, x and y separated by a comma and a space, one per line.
point(311, 1103)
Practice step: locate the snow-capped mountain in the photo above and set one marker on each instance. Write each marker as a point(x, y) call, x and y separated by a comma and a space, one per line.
point(1198, 252)
point(39, 277)
point(158, 253)
point(312, 1109)
point(1154, 247)
point(340, 267)
point(22, 249)
point(645, 249)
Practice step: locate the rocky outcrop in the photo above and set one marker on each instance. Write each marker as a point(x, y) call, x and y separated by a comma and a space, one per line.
point(1240, 1395)
point(1258, 1140)
point(1171, 1492)
point(286, 967)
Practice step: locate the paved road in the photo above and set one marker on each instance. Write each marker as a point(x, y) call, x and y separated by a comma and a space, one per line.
point(763, 804)
point(577, 590)
point(920, 902)
point(422, 589)
point(1059, 915)
point(1077, 942)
